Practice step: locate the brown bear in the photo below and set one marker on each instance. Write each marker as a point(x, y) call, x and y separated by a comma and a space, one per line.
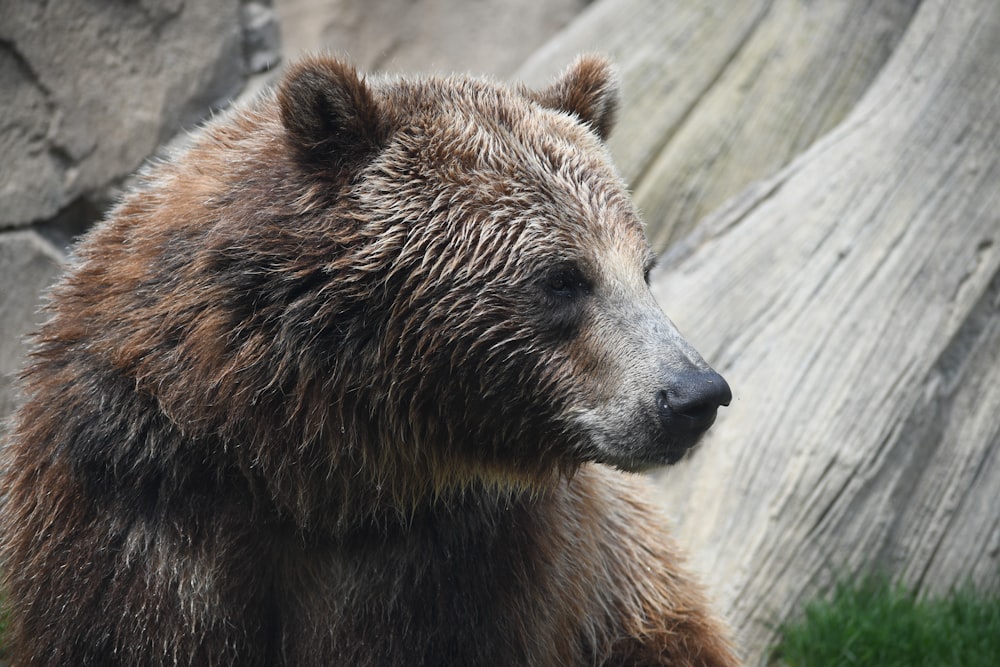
point(361, 377)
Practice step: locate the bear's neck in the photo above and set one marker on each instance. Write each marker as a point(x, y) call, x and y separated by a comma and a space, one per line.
point(355, 512)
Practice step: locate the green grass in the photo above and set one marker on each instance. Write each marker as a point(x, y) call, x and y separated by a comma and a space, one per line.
point(876, 623)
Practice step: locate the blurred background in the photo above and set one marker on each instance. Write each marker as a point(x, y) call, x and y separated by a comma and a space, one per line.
point(821, 177)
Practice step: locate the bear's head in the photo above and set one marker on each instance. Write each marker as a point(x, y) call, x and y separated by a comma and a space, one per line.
point(497, 270)
point(402, 284)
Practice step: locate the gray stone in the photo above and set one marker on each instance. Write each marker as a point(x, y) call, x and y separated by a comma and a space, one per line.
point(96, 87)
point(28, 264)
point(261, 37)
point(484, 36)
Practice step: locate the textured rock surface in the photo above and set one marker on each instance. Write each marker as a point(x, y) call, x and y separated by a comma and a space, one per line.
point(853, 302)
point(28, 264)
point(91, 89)
point(482, 36)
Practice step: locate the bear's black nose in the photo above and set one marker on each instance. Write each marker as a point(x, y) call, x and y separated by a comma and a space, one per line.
point(694, 396)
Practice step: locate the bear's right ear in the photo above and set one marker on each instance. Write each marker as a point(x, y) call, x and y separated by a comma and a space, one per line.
point(329, 113)
point(588, 89)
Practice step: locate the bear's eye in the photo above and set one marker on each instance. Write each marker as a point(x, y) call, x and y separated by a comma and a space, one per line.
point(566, 282)
point(648, 269)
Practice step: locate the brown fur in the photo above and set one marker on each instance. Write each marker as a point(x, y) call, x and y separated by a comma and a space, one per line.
point(302, 401)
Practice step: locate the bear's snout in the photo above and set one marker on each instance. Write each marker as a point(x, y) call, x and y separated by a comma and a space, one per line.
point(692, 400)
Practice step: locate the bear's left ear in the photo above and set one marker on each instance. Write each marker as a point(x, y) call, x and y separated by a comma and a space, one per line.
point(329, 113)
point(588, 89)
